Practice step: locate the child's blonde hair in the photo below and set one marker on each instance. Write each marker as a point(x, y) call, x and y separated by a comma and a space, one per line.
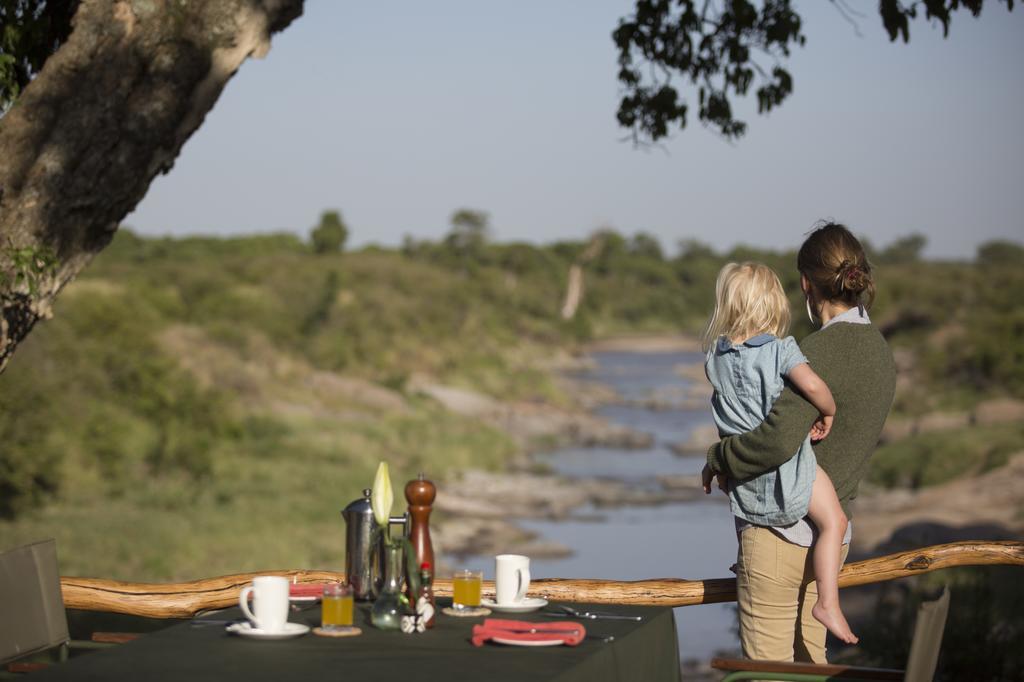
point(749, 300)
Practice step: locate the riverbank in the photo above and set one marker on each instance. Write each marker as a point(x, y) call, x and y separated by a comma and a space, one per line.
point(483, 512)
point(991, 504)
point(985, 507)
point(645, 343)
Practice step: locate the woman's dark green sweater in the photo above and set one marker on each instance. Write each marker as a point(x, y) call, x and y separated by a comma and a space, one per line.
point(856, 363)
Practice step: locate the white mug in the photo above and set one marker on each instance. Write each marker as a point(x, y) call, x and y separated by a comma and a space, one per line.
point(511, 578)
point(269, 602)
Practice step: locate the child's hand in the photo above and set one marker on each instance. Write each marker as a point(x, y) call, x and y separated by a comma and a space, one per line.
point(821, 427)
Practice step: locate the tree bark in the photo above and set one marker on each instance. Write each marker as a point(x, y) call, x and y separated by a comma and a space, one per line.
point(574, 288)
point(573, 291)
point(109, 110)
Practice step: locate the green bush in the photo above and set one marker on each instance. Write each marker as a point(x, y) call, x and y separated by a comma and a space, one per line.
point(30, 465)
point(941, 456)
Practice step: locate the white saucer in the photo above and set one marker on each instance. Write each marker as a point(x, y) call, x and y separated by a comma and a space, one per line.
point(303, 600)
point(247, 630)
point(528, 642)
point(528, 604)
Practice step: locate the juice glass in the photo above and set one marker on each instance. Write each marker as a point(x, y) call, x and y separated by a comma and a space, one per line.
point(466, 586)
point(336, 607)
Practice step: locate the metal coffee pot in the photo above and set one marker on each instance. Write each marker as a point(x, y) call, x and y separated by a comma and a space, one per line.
point(363, 550)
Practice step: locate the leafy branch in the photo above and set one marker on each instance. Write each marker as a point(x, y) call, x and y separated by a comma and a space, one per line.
point(713, 49)
point(725, 48)
point(28, 267)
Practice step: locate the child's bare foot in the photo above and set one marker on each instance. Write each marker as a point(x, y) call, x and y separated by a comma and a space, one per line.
point(835, 621)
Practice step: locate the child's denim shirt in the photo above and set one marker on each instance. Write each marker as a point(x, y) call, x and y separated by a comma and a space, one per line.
point(747, 379)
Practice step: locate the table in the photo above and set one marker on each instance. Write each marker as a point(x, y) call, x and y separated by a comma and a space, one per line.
point(641, 651)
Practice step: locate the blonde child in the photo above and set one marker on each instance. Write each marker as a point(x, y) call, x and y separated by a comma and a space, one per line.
point(748, 362)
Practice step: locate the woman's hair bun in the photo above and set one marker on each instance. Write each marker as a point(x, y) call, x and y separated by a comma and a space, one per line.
point(853, 277)
point(835, 265)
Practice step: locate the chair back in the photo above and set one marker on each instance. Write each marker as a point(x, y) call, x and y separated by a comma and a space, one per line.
point(32, 616)
point(924, 648)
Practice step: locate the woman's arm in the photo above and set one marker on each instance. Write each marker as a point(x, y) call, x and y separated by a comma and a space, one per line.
point(773, 442)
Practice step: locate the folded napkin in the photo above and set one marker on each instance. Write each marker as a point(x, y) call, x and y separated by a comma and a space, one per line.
point(306, 589)
point(567, 632)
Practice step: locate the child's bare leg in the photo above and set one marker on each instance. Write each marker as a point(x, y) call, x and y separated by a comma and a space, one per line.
point(828, 516)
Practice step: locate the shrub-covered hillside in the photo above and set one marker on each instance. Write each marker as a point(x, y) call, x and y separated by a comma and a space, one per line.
point(205, 380)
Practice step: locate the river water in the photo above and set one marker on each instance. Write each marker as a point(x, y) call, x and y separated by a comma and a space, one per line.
point(685, 540)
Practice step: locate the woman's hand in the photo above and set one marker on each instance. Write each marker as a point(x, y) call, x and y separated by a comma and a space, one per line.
point(707, 475)
point(821, 427)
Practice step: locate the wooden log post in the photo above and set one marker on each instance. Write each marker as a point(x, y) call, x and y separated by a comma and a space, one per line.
point(183, 600)
point(170, 600)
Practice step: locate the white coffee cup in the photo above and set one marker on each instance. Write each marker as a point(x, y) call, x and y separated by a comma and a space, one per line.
point(269, 602)
point(511, 578)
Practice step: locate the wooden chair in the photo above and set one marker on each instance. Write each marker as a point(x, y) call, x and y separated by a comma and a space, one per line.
point(32, 617)
point(924, 656)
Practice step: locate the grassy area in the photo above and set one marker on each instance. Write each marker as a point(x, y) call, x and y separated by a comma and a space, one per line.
point(941, 456)
point(271, 500)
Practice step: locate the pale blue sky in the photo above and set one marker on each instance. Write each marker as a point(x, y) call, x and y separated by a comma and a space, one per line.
point(398, 113)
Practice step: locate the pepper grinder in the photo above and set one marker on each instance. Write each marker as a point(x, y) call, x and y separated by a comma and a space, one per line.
point(420, 495)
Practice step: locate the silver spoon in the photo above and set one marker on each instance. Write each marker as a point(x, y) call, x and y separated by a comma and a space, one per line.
point(587, 614)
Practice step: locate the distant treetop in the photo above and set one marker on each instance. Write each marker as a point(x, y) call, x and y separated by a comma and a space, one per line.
point(470, 230)
point(330, 235)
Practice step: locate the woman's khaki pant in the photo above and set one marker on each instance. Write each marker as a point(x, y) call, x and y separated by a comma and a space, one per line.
point(776, 592)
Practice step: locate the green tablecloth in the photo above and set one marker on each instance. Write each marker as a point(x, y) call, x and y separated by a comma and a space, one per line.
point(641, 651)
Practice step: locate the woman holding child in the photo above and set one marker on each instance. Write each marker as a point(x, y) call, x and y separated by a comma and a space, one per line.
point(792, 457)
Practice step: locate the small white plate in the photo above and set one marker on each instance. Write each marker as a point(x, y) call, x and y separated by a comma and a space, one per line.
point(528, 642)
point(247, 630)
point(528, 604)
point(303, 600)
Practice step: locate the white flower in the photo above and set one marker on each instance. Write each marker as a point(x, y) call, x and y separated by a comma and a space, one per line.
point(408, 624)
point(383, 497)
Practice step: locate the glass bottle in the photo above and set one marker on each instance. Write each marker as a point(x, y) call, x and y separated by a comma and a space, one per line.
point(386, 613)
point(427, 589)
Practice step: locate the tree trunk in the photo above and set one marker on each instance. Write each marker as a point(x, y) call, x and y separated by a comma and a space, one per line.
point(109, 110)
point(574, 288)
point(573, 292)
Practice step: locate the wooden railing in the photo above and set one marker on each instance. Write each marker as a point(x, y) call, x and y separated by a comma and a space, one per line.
point(183, 600)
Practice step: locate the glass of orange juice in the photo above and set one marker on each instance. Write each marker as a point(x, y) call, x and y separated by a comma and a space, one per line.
point(466, 586)
point(336, 607)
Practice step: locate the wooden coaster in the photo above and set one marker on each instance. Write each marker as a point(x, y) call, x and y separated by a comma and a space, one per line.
point(466, 613)
point(350, 631)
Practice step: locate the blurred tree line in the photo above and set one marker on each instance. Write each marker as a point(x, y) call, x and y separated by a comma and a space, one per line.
point(100, 384)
